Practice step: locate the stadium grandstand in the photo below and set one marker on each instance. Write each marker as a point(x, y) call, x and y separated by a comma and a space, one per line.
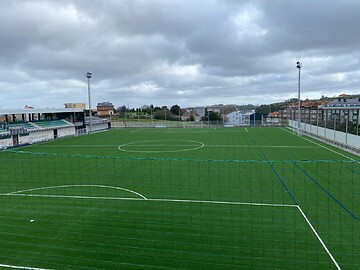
point(27, 126)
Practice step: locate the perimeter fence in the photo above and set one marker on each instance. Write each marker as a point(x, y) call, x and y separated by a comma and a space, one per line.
point(62, 211)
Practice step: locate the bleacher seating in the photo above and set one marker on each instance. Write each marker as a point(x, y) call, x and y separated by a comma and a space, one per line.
point(27, 125)
point(33, 126)
point(2, 131)
point(38, 125)
point(51, 124)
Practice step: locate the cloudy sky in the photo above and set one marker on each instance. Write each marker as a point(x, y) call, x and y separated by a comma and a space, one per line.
point(186, 52)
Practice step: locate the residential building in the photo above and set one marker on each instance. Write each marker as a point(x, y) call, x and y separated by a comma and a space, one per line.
point(341, 109)
point(199, 111)
point(243, 118)
point(310, 111)
point(215, 108)
point(234, 118)
point(189, 113)
point(105, 109)
point(273, 119)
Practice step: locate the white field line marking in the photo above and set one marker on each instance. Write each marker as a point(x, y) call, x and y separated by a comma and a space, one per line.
point(218, 130)
point(147, 199)
point(261, 146)
point(190, 145)
point(79, 145)
point(345, 156)
point(223, 202)
point(184, 130)
point(194, 147)
point(72, 196)
point(67, 186)
point(319, 238)
point(186, 201)
point(21, 267)
point(152, 145)
point(246, 130)
point(322, 146)
point(137, 130)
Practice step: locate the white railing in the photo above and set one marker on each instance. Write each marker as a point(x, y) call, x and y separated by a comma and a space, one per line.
point(38, 139)
point(331, 135)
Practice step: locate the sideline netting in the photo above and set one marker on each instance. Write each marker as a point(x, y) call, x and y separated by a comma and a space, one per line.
point(80, 212)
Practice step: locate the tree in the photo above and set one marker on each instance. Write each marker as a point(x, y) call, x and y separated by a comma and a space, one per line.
point(263, 109)
point(214, 116)
point(267, 108)
point(175, 109)
point(164, 114)
point(247, 107)
point(121, 111)
point(211, 116)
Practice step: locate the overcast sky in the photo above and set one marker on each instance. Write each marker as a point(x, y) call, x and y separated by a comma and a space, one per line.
point(185, 52)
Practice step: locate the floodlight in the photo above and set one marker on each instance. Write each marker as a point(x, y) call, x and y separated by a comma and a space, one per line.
point(88, 76)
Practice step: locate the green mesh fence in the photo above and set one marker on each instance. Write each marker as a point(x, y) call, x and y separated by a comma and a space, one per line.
point(93, 212)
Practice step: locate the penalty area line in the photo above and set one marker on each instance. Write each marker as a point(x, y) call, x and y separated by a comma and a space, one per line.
point(148, 199)
point(318, 237)
point(21, 267)
point(223, 202)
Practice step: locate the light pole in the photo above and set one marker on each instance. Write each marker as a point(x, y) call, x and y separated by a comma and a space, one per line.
point(317, 120)
point(254, 115)
point(298, 66)
point(151, 112)
point(346, 129)
point(270, 116)
point(88, 76)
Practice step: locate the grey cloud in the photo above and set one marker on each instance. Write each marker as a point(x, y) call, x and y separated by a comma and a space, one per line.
point(193, 52)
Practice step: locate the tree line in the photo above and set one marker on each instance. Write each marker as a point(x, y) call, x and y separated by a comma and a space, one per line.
point(163, 113)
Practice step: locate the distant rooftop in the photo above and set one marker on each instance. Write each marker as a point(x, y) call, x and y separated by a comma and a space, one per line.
point(47, 110)
point(343, 102)
point(107, 103)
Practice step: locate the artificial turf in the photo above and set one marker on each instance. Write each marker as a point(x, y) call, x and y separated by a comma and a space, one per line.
point(229, 198)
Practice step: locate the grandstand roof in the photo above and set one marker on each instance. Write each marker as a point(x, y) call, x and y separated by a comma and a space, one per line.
point(26, 111)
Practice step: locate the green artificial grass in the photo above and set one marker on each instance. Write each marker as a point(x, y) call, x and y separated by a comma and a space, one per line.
point(237, 198)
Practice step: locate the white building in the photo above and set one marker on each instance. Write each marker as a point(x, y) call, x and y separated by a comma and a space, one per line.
point(240, 118)
point(234, 118)
point(200, 111)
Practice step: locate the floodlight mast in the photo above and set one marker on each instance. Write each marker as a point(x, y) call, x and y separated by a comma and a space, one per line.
point(88, 76)
point(298, 66)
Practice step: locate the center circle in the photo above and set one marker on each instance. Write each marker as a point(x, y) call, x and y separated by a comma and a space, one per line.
point(161, 146)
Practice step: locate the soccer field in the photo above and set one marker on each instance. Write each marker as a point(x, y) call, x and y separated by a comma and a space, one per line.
point(236, 198)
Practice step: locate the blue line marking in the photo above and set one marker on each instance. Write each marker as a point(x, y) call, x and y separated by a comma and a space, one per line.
point(280, 179)
point(327, 192)
point(353, 170)
point(275, 172)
